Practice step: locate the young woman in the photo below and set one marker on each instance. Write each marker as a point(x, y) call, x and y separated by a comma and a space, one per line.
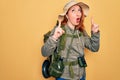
point(72, 19)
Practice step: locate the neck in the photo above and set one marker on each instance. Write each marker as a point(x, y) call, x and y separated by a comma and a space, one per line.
point(70, 25)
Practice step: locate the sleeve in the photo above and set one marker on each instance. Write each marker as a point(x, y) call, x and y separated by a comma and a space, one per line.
point(50, 45)
point(92, 43)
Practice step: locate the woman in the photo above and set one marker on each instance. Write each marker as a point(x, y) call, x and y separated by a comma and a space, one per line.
point(72, 19)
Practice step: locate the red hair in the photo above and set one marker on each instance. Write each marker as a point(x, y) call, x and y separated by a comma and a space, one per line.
point(80, 27)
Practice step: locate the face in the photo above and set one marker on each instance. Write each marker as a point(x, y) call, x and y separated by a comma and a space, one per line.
point(74, 15)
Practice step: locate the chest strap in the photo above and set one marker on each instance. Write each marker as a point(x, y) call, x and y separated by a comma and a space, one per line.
point(73, 63)
point(70, 64)
point(74, 36)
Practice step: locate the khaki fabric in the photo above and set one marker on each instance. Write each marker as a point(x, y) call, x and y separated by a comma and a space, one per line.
point(77, 49)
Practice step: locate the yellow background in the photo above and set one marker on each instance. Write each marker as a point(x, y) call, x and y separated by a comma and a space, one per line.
point(23, 23)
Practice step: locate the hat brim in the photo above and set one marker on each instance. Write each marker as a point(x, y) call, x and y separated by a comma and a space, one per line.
point(84, 6)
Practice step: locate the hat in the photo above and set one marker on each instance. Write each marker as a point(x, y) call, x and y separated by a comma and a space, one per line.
point(84, 6)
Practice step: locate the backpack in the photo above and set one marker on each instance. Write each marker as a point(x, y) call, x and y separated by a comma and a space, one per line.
point(53, 65)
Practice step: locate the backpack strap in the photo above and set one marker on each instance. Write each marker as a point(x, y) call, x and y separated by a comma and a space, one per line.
point(61, 44)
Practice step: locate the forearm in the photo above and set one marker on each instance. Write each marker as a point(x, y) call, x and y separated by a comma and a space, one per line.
point(93, 42)
point(49, 47)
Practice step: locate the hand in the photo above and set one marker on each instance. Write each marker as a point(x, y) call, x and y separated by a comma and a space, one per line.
point(94, 27)
point(58, 31)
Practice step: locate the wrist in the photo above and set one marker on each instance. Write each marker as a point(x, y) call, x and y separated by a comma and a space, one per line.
point(95, 31)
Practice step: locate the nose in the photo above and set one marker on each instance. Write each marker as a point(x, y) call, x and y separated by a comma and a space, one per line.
point(78, 14)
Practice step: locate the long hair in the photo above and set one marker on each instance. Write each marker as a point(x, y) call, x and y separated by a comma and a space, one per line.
point(80, 26)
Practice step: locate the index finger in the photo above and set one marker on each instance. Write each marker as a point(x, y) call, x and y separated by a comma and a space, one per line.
point(59, 21)
point(92, 21)
point(59, 24)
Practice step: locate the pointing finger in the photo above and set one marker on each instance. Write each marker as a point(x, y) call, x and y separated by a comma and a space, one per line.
point(60, 19)
point(92, 21)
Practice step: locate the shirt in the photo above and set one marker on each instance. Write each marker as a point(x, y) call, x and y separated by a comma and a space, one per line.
point(77, 49)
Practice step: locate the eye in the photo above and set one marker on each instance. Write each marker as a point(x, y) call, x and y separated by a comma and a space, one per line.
point(79, 10)
point(73, 10)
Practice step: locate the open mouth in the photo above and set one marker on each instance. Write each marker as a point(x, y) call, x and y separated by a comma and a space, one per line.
point(78, 20)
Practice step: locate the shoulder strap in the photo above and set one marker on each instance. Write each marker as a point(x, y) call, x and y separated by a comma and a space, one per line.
point(70, 46)
point(62, 42)
point(80, 40)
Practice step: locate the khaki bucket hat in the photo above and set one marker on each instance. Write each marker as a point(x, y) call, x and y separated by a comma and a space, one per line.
point(84, 6)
